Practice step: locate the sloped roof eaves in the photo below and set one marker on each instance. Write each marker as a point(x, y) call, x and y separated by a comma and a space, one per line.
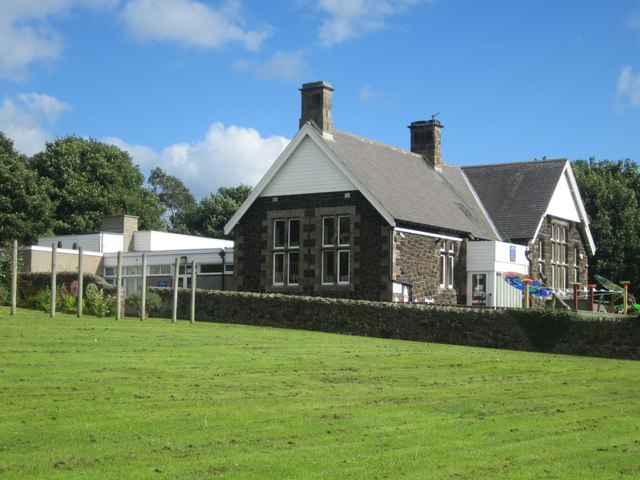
point(411, 189)
point(516, 195)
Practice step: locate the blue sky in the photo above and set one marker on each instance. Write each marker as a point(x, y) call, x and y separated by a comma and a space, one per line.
point(208, 90)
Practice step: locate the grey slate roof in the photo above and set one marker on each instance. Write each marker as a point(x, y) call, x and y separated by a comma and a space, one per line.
point(409, 187)
point(516, 195)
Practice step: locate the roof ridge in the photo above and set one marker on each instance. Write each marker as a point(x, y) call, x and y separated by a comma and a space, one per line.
point(523, 162)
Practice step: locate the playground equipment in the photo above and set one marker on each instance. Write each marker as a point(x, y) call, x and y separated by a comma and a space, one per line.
point(615, 298)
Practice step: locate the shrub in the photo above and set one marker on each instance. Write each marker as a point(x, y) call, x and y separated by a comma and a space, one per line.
point(152, 302)
point(40, 300)
point(66, 301)
point(98, 303)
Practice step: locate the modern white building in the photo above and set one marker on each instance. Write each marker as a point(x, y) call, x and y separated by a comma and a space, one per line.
point(120, 236)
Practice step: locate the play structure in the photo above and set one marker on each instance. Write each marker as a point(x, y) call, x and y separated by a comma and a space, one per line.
point(615, 298)
point(610, 298)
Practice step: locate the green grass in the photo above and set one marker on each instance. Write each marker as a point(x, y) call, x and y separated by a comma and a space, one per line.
point(100, 398)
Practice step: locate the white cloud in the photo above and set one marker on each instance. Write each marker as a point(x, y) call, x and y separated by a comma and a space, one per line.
point(26, 37)
point(190, 22)
point(227, 156)
point(282, 65)
point(633, 19)
point(629, 87)
point(22, 119)
point(367, 94)
point(353, 18)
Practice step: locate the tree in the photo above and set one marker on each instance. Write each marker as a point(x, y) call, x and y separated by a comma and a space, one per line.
point(611, 195)
point(90, 180)
point(213, 212)
point(175, 198)
point(25, 208)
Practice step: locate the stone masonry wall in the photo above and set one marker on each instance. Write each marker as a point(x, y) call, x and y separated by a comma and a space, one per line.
point(369, 246)
point(417, 262)
point(574, 241)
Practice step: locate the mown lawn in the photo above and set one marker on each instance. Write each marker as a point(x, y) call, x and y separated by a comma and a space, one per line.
point(104, 399)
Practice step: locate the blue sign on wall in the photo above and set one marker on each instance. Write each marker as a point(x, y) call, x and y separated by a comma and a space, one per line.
point(163, 283)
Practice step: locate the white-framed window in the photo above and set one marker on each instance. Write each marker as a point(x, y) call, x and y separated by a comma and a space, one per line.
point(447, 263)
point(559, 256)
point(286, 251)
point(214, 268)
point(159, 270)
point(336, 256)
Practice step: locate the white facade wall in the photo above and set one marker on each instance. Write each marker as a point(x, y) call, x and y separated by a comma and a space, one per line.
point(153, 241)
point(491, 259)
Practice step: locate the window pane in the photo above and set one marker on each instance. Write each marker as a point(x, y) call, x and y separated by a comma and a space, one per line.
point(278, 233)
point(184, 269)
point(328, 231)
point(278, 268)
point(328, 267)
point(211, 268)
point(294, 268)
point(159, 269)
point(294, 233)
point(343, 267)
point(344, 230)
point(443, 269)
point(109, 271)
point(450, 272)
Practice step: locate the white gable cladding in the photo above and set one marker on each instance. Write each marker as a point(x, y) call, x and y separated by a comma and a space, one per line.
point(307, 170)
point(563, 203)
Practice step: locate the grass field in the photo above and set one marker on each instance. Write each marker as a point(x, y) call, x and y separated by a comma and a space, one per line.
point(104, 399)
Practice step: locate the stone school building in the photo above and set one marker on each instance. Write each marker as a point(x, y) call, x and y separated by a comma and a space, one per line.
point(340, 215)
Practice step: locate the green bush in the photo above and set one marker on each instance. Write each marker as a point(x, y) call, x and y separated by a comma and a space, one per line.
point(40, 300)
point(152, 302)
point(66, 302)
point(98, 303)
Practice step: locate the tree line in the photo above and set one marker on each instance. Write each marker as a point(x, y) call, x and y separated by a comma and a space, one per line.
point(74, 183)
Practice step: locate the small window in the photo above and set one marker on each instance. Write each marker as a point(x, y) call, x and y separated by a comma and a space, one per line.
point(278, 268)
point(450, 272)
point(132, 270)
point(344, 230)
point(109, 271)
point(328, 231)
point(343, 266)
point(159, 269)
point(294, 233)
point(210, 268)
point(294, 268)
point(185, 269)
point(328, 267)
point(278, 233)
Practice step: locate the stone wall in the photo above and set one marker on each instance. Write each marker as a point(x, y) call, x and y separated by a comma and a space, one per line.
point(369, 246)
point(543, 260)
point(546, 330)
point(417, 262)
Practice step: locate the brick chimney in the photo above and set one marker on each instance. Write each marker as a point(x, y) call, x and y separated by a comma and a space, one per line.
point(125, 224)
point(316, 106)
point(425, 140)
